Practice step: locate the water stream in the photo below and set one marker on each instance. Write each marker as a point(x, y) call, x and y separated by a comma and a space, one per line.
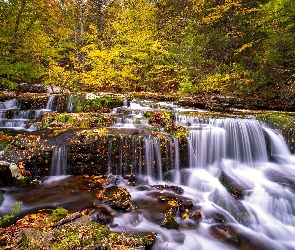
point(263, 217)
point(12, 117)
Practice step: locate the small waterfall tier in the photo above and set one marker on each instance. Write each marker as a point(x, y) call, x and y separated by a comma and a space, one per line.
point(59, 161)
point(13, 117)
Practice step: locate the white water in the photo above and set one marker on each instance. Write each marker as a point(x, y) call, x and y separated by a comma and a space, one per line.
point(50, 102)
point(70, 107)
point(59, 161)
point(19, 118)
point(263, 219)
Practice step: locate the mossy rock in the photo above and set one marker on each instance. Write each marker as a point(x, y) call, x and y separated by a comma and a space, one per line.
point(118, 197)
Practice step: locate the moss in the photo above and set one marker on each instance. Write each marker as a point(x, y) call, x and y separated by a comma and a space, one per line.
point(36, 231)
point(98, 104)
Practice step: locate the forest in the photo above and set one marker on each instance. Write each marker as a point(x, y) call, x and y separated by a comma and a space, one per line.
point(238, 47)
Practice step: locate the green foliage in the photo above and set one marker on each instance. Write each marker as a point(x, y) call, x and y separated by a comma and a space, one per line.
point(186, 86)
point(15, 209)
point(165, 46)
point(97, 104)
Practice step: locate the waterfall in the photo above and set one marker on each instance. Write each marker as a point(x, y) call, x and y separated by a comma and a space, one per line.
point(176, 161)
point(10, 104)
point(149, 156)
point(278, 147)
point(211, 140)
point(206, 147)
point(49, 102)
point(70, 107)
point(153, 158)
point(125, 103)
point(245, 141)
point(59, 161)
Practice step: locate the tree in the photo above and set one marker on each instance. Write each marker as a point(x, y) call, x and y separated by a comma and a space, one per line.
point(278, 59)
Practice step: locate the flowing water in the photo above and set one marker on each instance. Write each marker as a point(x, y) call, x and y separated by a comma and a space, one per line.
point(250, 156)
point(59, 161)
point(12, 117)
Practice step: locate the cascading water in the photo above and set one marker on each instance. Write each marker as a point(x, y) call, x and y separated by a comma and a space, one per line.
point(11, 117)
point(59, 161)
point(234, 149)
point(239, 175)
point(153, 158)
point(50, 103)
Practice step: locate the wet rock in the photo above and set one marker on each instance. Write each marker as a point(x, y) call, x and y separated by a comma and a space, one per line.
point(231, 185)
point(6, 178)
point(175, 189)
point(169, 221)
point(219, 218)
point(225, 236)
point(284, 178)
point(113, 180)
point(2, 192)
point(196, 216)
point(185, 204)
point(244, 238)
point(118, 197)
point(233, 206)
point(99, 214)
point(89, 185)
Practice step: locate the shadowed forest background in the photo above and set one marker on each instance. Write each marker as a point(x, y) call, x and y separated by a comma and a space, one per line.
point(238, 47)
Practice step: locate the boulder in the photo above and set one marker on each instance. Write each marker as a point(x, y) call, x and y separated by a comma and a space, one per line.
point(118, 197)
point(6, 176)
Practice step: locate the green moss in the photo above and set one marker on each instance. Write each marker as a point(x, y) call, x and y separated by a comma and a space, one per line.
point(98, 104)
point(58, 213)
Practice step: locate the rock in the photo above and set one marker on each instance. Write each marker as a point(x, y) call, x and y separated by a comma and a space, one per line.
point(2, 192)
point(81, 221)
point(118, 197)
point(233, 206)
point(99, 214)
point(197, 215)
point(15, 171)
point(29, 235)
point(169, 221)
point(184, 204)
point(31, 88)
point(245, 238)
point(175, 189)
point(284, 178)
point(232, 186)
point(6, 178)
point(69, 218)
point(53, 90)
point(7, 95)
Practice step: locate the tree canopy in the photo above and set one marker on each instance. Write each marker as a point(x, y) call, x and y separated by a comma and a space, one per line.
point(185, 46)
